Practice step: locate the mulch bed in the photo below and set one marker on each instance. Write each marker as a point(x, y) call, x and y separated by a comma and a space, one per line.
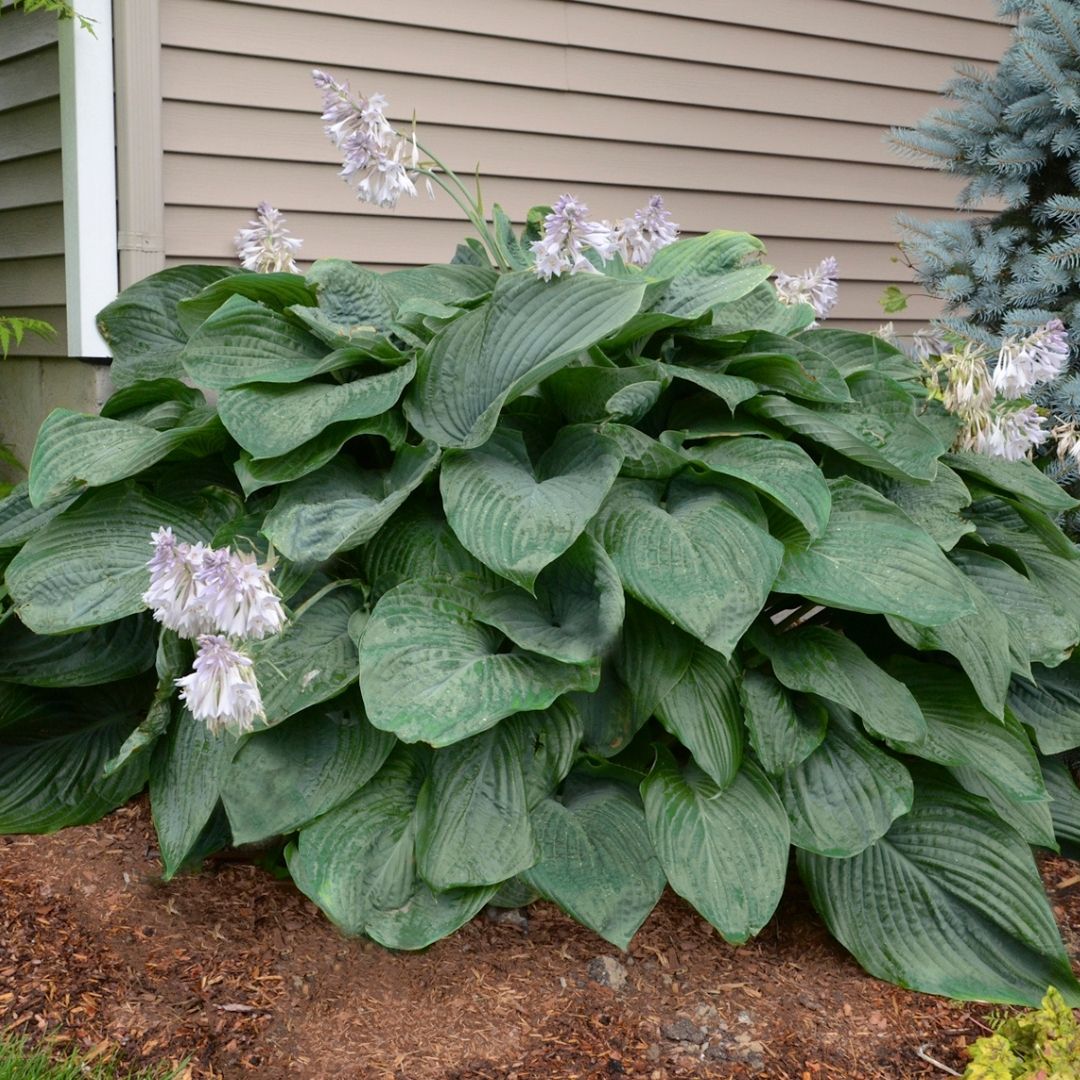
point(239, 973)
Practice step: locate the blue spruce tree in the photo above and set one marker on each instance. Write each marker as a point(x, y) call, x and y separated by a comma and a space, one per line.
point(1015, 134)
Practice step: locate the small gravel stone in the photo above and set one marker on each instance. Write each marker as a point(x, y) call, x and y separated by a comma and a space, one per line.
point(607, 971)
point(745, 1018)
point(652, 1052)
point(683, 1030)
point(514, 917)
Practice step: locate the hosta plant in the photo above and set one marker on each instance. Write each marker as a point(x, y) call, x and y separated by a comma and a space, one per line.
point(590, 585)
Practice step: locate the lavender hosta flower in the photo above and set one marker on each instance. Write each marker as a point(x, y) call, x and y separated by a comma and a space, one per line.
point(637, 239)
point(816, 286)
point(238, 596)
point(567, 232)
point(175, 592)
point(382, 163)
point(266, 246)
point(969, 390)
point(222, 690)
point(1011, 434)
point(1023, 362)
point(927, 342)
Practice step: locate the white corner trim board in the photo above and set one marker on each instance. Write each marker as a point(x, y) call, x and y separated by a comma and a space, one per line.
point(88, 139)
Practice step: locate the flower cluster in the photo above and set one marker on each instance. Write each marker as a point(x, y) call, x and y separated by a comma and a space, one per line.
point(994, 422)
point(816, 286)
point(266, 246)
point(568, 232)
point(217, 597)
point(1023, 362)
point(382, 164)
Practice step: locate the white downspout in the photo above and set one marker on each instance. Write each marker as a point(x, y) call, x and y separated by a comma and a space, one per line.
point(89, 162)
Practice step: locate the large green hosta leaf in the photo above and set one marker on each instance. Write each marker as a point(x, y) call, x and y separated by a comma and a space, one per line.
point(726, 851)
point(352, 296)
point(74, 452)
point(20, 519)
point(53, 750)
point(1038, 625)
point(702, 710)
point(243, 341)
point(820, 661)
point(689, 554)
point(760, 309)
point(948, 902)
point(872, 558)
point(979, 641)
point(782, 472)
point(88, 566)
point(276, 290)
point(789, 366)
point(270, 419)
point(1050, 706)
point(1020, 478)
point(357, 863)
point(187, 771)
point(516, 517)
point(472, 815)
point(526, 331)
point(596, 861)
point(783, 730)
point(852, 353)
point(311, 660)
point(935, 506)
point(415, 543)
point(315, 453)
point(577, 611)
point(879, 429)
point(342, 506)
point(431, 671)
point(283, 778)
point(105, 654)
point(959, 731)
point(1064, 805)
point(846, 794)
point(593, 393)
point(143, 326)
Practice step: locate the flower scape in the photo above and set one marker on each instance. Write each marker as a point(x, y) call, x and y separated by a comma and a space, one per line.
point(591, 562)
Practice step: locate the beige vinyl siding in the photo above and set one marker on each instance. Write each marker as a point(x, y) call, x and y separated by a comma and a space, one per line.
point(763, 115)
point(31, 197)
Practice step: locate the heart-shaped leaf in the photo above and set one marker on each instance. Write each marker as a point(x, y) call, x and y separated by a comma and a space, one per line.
point(872, 558)
point(342, 506)
point(430, 670)
point(975, 922)
point(689, 554)
point(270, 419)
point(846, 794)
point(517, 518)
point(472, 814)
point(357, 863)
point(726, 851)
point(596, 861)
point(525, 332)
point(283, 778)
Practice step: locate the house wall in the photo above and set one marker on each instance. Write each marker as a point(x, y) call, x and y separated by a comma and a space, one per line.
point(763, 115)
point(31, 184)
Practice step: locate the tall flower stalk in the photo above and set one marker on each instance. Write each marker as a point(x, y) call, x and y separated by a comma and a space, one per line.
point(384, 164)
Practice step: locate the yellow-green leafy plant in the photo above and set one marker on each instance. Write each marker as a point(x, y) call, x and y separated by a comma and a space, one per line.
point(1043, 1044)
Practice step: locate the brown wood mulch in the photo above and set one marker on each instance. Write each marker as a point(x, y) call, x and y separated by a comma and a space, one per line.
point(240, 973)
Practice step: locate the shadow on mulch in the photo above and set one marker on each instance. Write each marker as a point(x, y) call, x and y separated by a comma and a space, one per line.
point(240, 973)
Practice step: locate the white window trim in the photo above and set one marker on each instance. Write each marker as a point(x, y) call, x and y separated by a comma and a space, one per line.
point(88, 138)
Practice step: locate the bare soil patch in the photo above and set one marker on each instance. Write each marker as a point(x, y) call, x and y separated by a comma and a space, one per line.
point(240, 973)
